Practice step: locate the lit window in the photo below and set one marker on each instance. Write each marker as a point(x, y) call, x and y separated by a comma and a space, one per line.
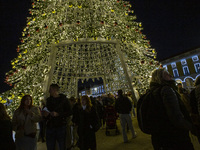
point(102, 89)
point(195, 58)
point(183, 62)
point(197, 67)
point(175, 72)
point(83, 93)
point(165, 67)
point(173, 65)
point(186, 70)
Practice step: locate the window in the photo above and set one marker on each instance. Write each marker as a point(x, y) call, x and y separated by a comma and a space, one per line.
point(186, 70)
point(197, 67)
point(83, 93)
point(183, 62)
point(175, 72)
point(165, 67)
point(195, 58)
point(173, 65)
point(102, 89)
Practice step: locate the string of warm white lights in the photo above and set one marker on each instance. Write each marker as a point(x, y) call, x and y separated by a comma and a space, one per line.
point(67, 40)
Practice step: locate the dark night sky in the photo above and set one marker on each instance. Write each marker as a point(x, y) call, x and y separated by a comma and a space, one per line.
point(172, 26)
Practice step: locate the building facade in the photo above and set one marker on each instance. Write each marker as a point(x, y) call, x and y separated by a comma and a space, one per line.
point(185, 67)
point(93, 91)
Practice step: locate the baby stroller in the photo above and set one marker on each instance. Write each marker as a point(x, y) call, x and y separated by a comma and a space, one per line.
point(110, 118)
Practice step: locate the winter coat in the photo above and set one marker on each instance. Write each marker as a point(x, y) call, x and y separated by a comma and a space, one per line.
point(172, 120)
point(123, 105)
point(185, 97)
point(62, 106)
point(6, 139)
point(86, 122)
point(28, 122)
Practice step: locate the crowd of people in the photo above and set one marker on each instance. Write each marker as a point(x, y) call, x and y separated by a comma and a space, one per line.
point(66, 123)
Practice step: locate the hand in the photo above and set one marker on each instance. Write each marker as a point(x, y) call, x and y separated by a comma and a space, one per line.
point(54, 114)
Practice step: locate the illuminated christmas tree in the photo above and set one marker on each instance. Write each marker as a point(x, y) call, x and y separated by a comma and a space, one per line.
point(70, 40)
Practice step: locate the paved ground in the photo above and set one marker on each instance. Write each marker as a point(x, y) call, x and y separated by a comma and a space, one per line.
point(115, 142)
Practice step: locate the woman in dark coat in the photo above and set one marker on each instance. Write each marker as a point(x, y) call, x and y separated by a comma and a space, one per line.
point(86, 119)
point(6, 139)
point(173, 122)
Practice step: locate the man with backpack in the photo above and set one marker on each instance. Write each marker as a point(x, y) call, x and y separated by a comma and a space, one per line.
point(123, 107)
point(166, 117)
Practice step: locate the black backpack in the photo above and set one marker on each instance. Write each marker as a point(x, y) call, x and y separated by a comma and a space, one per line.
point(147, 111)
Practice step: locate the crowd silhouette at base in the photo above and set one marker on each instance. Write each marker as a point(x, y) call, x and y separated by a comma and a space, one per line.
point(66, 123)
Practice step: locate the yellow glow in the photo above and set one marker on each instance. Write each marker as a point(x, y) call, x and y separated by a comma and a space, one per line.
point(20, 56)
point(25, 51)
point(57, 41)
point(75, 39)
point(108, 38)
point(38, 44)
point(3, 101)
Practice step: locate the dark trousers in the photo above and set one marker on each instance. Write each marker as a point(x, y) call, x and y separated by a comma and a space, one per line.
point(54, 135)
point(42, 125)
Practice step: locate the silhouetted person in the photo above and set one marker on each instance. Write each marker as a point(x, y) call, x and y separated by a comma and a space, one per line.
point(172, 120)
point(6, 139)
point(123, 106)
point(57, 109)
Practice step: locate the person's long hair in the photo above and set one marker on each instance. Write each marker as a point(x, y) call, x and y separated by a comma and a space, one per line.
point(3, 113)
point(88, 102)
point(22, 104)
point(157, 76)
